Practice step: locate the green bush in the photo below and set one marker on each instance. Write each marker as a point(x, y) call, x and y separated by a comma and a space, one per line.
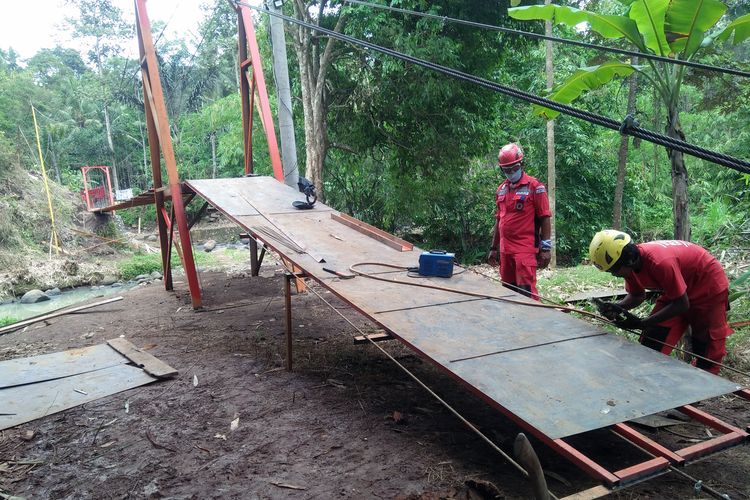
point(7, 320)
point(141, 263)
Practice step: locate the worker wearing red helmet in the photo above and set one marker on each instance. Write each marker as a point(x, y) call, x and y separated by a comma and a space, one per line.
point(521, 242)
point(694, 292)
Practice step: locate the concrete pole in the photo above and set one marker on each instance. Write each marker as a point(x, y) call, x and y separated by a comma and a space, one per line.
point(284, 97)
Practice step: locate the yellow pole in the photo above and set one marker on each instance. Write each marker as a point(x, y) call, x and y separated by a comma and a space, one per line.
point(46, 184)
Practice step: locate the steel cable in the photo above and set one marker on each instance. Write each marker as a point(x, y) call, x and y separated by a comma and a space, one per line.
point(631, 53)
point(635, 131)
point(424, 386)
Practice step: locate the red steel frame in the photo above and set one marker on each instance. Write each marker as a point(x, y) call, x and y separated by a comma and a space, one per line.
point(160, 142)
point(84, 171)
point(251, 80)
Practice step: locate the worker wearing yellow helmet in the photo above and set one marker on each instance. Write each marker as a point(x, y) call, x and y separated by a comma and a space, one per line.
point(694, 291)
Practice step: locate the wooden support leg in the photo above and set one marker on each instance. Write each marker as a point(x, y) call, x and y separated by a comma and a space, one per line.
point(527, 458)
point(288, 277)
point(253, 257)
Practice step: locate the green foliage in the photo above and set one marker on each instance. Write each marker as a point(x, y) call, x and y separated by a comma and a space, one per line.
point(7, 320)
point(564, 282)
point(143, 264)
point(146, 263)
point(585, 79)
point(739, 287)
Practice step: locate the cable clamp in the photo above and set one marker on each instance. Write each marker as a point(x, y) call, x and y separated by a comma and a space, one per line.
point(628, 123)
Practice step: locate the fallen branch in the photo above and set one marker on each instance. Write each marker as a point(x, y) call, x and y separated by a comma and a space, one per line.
point(44, 317)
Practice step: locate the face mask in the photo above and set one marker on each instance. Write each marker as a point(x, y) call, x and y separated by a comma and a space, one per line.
point(515, 176)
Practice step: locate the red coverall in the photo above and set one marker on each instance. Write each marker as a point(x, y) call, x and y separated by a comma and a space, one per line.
point(518, 208)
point(679, 267)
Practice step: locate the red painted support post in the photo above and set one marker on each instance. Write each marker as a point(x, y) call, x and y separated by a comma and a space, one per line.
point(249, 43)
point(159, 130)
point(85, 170)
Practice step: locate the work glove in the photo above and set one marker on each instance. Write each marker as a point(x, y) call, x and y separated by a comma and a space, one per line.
point(608, 309)
point(628, 321)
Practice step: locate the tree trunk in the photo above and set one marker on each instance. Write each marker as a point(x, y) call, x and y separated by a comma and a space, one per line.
point(551, 180)
point(622, 155)
point(54, 158)
point(107, 123)
point(679, 178)
point(313, 66)
point(213, 154)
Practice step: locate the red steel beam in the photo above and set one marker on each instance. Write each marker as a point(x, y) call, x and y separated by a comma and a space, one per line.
point(583, 462)
point(709, 420)
point(159, 125)
point(249, 43)
point(643, 469)
point(646, 443)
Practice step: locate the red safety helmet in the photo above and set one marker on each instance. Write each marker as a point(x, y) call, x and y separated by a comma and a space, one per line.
point(510, 155)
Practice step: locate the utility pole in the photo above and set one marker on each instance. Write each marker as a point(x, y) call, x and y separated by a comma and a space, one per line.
point(551, 174)
point(284, 94)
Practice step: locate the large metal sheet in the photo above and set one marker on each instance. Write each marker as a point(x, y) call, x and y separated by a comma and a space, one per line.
point(491, 326)
point(571, 387)
point(21, 371)
point(230, 196)
point(264, 194)
point(24, 403)
point(560, 375)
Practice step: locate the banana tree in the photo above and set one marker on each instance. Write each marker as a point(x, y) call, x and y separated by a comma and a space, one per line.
point(669, 28)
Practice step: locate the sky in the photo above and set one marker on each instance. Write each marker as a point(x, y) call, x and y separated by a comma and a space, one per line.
point(28, 26)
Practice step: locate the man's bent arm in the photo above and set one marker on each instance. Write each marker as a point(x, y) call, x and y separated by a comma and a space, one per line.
point(678, 306)
point(631, 301)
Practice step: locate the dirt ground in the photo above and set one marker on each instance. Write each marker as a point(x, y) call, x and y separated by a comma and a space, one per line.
point(345, 423)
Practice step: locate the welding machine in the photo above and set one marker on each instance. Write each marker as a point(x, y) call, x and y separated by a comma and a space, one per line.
point(436, 263)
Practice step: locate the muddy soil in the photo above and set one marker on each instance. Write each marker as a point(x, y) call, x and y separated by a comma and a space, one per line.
point(345, 423)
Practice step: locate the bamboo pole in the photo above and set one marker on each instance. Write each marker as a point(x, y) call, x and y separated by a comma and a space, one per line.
point(54, 239)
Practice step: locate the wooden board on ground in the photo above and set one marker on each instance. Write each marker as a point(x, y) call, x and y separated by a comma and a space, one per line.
point(141, 359)
point(42, 385)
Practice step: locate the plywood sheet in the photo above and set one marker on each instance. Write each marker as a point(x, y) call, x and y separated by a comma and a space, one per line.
point(57, 365)
point(25, 403)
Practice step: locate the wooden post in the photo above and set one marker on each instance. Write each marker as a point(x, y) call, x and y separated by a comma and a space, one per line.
point(288, 277)
point(527, 458)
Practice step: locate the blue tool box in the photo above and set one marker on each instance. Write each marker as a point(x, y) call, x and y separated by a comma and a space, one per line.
point(436, 263)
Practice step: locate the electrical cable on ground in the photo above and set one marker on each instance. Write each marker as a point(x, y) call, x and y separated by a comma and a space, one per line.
point(552, 305)
point(737, 164)
point(447, 405)
point(631, 53)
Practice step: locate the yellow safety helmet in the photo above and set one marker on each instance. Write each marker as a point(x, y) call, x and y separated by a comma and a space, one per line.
point(606, 248)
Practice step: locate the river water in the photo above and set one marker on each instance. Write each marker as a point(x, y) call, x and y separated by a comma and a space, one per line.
point(67, 298)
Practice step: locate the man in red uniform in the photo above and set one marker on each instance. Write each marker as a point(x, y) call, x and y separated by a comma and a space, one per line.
point(522, 231)
point(694, 291)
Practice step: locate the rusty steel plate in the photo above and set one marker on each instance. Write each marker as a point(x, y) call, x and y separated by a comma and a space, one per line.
point(559, 374)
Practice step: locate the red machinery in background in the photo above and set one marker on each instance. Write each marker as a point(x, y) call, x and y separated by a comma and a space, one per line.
point(99, 196)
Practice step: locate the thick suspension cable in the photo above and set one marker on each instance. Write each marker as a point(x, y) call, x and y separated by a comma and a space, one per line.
point(631, 53)
point(634, 131)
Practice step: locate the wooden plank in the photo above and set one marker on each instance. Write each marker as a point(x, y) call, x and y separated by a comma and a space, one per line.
point(375, 337)
point(602, 293)
point(373, 232)
point(589, 494)
point(25, 403)
point(142, 359)
point(44, 317)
